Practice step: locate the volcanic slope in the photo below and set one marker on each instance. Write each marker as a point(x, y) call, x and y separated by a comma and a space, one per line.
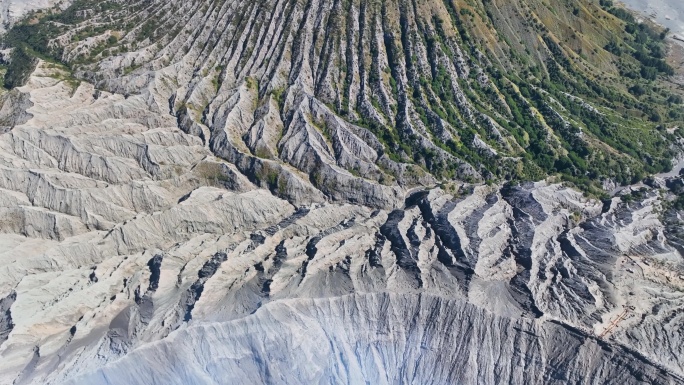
point(290, 191)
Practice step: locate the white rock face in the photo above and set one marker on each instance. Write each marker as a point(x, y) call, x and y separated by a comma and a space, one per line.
point(366, 338)
point(173, 230)
point(12, 11)
point(129, 254)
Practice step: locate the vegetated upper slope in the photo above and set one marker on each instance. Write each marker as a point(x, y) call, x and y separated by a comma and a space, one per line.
point(379, 95)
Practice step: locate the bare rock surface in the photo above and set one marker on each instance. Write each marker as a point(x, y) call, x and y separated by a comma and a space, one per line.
point(369, 340)
point(197, 212)
point(12, 11)
point(133, 255)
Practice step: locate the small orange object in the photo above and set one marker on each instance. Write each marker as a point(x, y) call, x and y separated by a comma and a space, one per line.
point(615, 323)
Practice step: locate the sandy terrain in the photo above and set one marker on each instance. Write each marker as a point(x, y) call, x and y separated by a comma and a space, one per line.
point(669, 13)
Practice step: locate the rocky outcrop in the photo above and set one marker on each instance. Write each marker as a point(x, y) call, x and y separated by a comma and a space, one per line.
point(6, 324)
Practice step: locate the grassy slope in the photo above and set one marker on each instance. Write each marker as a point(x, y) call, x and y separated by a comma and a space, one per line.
point(578, 90)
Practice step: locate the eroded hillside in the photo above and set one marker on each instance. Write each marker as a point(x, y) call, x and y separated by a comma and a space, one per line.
point(323, 191)
point(377, 95)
